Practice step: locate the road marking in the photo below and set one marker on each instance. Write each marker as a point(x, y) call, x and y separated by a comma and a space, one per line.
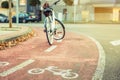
point(18, 67)
point(59, 41)
point(36, 71)
point(50, 48)
point(4, 63)
point(98, 75)
point(115, 43)
point(65, 73)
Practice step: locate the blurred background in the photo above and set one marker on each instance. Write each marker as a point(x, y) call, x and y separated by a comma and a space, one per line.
point(69, 10)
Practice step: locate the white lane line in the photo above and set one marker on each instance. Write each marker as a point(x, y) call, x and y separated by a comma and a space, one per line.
point(50, 48)
point(115, 43)
point(18, 67)
point(98, 75)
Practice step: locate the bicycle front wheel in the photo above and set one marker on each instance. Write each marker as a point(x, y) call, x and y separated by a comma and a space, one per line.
point(59, 31)
point(49, 31)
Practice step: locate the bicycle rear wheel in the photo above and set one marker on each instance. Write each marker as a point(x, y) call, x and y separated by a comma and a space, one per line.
point(59, 31)
point(49, 31)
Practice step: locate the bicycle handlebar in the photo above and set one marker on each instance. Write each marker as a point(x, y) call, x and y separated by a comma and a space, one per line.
point(55, 3)
point(46, 5)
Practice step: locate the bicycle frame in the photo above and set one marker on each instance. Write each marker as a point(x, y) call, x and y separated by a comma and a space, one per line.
point(52, 19)
point(52, 15)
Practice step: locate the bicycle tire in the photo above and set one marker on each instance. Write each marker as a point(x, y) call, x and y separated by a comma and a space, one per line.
point(48, 30)
point(59, 31)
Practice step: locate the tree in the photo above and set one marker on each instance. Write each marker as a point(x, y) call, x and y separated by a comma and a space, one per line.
point(5, 4)
point(69, 2)
point(8, 4)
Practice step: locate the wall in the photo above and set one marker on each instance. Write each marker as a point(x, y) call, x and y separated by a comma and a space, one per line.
point(116, 14)
point(103, 13)
point(103, 1)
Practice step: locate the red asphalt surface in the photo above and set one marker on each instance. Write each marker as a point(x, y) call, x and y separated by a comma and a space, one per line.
point(75, 52)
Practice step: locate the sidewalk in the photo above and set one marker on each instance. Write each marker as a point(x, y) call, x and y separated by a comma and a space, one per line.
point(12, 36)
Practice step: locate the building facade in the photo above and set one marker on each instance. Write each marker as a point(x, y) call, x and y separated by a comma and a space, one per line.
point(84, 11)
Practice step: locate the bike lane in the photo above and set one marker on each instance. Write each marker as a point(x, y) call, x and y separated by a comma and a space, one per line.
point(75, 52)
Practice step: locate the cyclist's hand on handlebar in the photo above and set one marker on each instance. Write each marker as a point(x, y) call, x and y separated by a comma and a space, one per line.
point(56, 2)
point(46, 5)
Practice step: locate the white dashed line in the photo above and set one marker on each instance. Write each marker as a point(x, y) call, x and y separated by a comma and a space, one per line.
point(18, 67)
point(115, 43)
point(50, 48)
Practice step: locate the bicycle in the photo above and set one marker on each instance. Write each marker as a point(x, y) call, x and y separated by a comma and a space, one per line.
point(54, 28)
point(67, 74)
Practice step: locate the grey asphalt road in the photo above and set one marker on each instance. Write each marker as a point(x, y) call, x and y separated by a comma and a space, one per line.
point(108, 35)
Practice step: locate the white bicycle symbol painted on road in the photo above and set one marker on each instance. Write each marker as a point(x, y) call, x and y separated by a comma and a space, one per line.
point(68, 74)
point(2, 64)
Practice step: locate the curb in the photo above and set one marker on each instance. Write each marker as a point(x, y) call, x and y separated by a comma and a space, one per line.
point(19, 35)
